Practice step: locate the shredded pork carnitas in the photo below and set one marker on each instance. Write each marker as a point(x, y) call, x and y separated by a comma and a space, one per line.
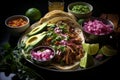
point(66, 41)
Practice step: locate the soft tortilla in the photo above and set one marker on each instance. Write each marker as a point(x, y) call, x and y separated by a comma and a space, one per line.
point(68, 67)
point(67, 20)
point(56, 13)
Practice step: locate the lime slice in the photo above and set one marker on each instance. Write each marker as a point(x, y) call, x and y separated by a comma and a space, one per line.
point(91, 49)
point(86, 61)
point(108, 50)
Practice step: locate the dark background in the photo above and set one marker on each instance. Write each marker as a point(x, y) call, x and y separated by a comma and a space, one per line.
point(12, 7)
point(108, 70)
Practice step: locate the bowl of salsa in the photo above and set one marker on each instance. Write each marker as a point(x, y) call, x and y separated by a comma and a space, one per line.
point(80, 9)
point(17, 23)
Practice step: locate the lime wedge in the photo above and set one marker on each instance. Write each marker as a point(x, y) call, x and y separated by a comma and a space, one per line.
point(108, 50)
point(86, 46)
point(91, 49)
point(86, 61)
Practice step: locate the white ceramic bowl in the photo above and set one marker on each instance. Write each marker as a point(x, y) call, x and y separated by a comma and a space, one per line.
point(17, 23)
point(80, 14)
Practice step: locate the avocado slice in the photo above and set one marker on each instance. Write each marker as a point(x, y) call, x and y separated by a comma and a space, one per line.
point(37, 29)
point(34, 40)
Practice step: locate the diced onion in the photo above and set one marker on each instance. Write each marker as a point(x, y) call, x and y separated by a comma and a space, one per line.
point(45, 55)
point(97, 27)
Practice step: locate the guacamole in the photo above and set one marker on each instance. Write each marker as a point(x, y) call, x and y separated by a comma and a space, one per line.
point(80, 8)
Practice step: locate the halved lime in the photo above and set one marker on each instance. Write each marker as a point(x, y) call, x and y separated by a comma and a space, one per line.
point(86, 61)
point(108, 50)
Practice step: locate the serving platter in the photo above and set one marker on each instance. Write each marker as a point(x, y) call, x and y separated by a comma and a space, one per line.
point(25, 37)
point(54, 68)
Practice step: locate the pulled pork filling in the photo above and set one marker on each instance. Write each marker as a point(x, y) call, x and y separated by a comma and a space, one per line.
point(66, 42)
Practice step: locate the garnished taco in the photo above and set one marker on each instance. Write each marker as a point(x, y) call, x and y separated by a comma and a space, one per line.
point(61, 32)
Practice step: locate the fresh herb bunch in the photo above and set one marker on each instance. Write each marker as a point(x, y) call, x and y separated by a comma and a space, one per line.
point(10, 62)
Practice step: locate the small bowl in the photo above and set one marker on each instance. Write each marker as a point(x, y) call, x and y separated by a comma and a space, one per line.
point(80, 14)
point(17, 23)
point(42, 54)
point(97, 34)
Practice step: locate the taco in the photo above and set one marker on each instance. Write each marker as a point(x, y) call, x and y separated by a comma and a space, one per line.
point(65, 36)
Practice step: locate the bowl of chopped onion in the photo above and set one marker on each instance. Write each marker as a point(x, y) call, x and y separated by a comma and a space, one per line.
point(42, 54)
point(97, 30)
